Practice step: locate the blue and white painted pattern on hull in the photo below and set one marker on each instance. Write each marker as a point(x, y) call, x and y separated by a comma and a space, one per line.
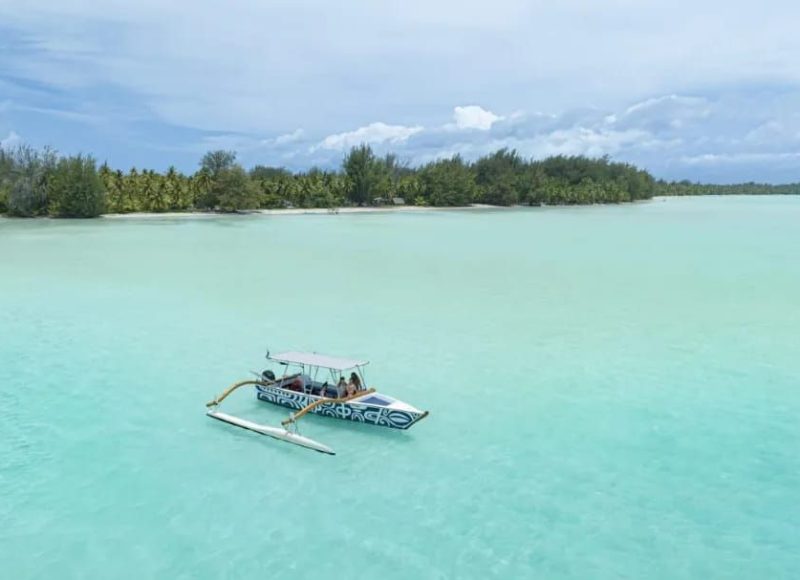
point(355, 411)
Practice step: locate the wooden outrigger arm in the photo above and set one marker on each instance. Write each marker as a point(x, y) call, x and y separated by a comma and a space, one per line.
point(295, 416)
point(275, 432)
point(232, 388)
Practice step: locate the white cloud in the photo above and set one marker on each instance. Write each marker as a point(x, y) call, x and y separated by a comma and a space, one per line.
point(12, 140)
point(229, 142)
point(659, 102)
point(474, 117)
point(665, 112)
point(267, 77)
point(53, 112)
point(588, 141)
point(244, 143)
point(675, 136)
point(572, 140)
point(292, 137)
point(783, 132)
point(374, 133)
point(330, 67)
point(741, 158)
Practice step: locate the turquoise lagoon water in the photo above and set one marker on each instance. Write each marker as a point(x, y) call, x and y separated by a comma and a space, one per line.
point(614, 393)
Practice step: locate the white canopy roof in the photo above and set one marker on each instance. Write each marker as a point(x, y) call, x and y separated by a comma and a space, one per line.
point(317, 360)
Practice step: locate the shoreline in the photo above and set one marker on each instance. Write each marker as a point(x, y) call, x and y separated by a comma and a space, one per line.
point(301, 211)
point(370, 209)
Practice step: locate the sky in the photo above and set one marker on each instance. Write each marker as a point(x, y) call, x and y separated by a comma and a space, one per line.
point(707, 90)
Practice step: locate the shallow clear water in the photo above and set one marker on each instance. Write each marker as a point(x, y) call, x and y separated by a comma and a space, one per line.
point(613, 394)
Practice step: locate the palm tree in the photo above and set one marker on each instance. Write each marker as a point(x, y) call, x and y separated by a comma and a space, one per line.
point(172, 189)
point(132, 191)
point(202, 182)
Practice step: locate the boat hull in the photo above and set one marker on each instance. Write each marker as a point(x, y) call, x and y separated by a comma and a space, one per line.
point(348, 411)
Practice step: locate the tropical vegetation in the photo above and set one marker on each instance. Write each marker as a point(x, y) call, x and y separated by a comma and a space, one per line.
point(688, 188)
point(42, 183)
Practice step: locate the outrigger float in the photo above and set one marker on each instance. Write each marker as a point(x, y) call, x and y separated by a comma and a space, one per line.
point(316, 383)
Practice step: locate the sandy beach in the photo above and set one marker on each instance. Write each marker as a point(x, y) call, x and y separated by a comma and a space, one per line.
point(299, 211)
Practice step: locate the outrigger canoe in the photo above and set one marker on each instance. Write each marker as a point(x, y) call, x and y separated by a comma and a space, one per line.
point(315, 383)
point(310, 378)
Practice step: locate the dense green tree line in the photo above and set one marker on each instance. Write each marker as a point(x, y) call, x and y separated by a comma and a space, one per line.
point(689, 188)
point(502, 178)
point(37, 183)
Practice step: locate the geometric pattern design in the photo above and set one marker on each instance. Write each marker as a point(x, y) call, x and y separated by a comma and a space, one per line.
point(358, 412)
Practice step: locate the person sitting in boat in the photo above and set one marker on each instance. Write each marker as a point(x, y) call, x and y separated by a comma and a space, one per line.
point(354, 385)
point(297, 384)
point(341, 388)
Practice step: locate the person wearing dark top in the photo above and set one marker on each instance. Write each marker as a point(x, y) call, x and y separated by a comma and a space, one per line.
point(354, 384)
